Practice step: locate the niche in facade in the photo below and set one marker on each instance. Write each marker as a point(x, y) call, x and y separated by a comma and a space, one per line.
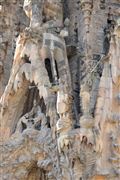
point(26, 59)
point(49, 69)
point(52, 70)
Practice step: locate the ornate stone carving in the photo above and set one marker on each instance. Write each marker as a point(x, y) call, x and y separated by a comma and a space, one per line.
point(45, 140)
point(86, 6)
point(34, 119)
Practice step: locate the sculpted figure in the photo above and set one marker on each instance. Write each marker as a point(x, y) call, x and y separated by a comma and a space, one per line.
point(34, 119)
point(32, 10)
point(53, 14)
point(64, 109)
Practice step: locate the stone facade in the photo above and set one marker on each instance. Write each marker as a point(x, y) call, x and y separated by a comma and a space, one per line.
point(60, 90)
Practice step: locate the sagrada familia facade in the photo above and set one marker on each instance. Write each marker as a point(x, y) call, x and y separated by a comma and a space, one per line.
point(60, 89)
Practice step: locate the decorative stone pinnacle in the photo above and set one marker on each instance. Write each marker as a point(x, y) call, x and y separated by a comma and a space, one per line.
point(86, 6)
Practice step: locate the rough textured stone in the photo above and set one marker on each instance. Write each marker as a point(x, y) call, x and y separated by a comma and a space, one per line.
point(60, 90)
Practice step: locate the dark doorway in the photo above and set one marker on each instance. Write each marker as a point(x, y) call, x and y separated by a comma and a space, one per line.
point(49, 69)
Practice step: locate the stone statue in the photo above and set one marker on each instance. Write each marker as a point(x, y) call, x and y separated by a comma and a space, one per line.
point(34, 119)
point(33, 10)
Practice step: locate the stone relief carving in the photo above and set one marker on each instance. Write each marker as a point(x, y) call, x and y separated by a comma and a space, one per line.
point(45, 144)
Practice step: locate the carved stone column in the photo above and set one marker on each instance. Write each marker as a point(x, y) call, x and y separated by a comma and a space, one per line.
point(86, 6)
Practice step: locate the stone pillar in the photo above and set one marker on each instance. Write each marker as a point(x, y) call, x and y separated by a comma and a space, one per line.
point(86, 6)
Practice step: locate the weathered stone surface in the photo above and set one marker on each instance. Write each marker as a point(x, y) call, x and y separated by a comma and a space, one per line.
point(59, 90)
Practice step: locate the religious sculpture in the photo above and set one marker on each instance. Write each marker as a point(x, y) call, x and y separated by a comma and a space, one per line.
point(48, 139)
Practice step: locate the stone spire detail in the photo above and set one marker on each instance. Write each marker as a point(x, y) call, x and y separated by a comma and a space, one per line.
point(86, 6)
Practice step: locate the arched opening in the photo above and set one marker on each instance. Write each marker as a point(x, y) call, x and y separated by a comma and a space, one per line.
point(33, 101)
point(35, 173)
point(33, 94)
point(53, 74)
point(49, 69)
